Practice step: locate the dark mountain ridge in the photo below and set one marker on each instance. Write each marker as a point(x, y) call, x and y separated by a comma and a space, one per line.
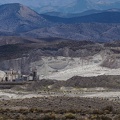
point(107, 16)
point(70, 15)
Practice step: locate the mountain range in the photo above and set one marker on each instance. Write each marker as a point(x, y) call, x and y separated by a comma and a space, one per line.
point(19, 20)
point(66, 6)
point(108, 16)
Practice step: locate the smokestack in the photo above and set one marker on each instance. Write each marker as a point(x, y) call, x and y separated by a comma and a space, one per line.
point(34, 74)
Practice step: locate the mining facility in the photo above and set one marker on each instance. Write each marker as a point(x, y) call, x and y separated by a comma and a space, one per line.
point(16, 76)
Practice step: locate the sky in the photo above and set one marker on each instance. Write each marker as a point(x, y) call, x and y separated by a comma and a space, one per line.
point(64, 5)
point(38, 3)
point(52, 2)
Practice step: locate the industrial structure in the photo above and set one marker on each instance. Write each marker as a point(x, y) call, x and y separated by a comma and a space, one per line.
point(12, 76)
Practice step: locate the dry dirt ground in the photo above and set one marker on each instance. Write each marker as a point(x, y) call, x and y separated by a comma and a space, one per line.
point(59, 108)
point(24, 104)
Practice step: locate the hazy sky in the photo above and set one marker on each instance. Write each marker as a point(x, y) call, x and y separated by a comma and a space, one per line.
point(52, 2)
point(65, 5)
point(39, 2)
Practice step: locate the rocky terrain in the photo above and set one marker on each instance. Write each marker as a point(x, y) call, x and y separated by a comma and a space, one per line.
point(17, 55)
point(61, 58)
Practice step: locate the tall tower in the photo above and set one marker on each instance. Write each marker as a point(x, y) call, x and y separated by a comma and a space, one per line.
point(34, 73)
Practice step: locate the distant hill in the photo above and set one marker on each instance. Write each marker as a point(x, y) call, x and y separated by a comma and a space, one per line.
point(101, 32)
point(70, 15)
point(15, 18)
point(21, 21)
point(108, 16)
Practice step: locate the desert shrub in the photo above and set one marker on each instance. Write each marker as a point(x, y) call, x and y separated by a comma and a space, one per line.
point(18, 117)
point(33, 110)
point(47, 111)
point(51, 116)
point(117, 117)
point(93, 117)
point(23, 111)
point(106, 111)
point(61, 111)
point(2, 118)
point(69, 116)
point(96, 111)
point(109, 108)
point(105, 118)
point(2, 110)
point(72, 111)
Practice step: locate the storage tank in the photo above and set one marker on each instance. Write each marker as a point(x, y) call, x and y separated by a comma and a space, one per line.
point(2, 75)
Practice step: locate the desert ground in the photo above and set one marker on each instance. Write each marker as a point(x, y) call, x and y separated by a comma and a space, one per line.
point(79, 84)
